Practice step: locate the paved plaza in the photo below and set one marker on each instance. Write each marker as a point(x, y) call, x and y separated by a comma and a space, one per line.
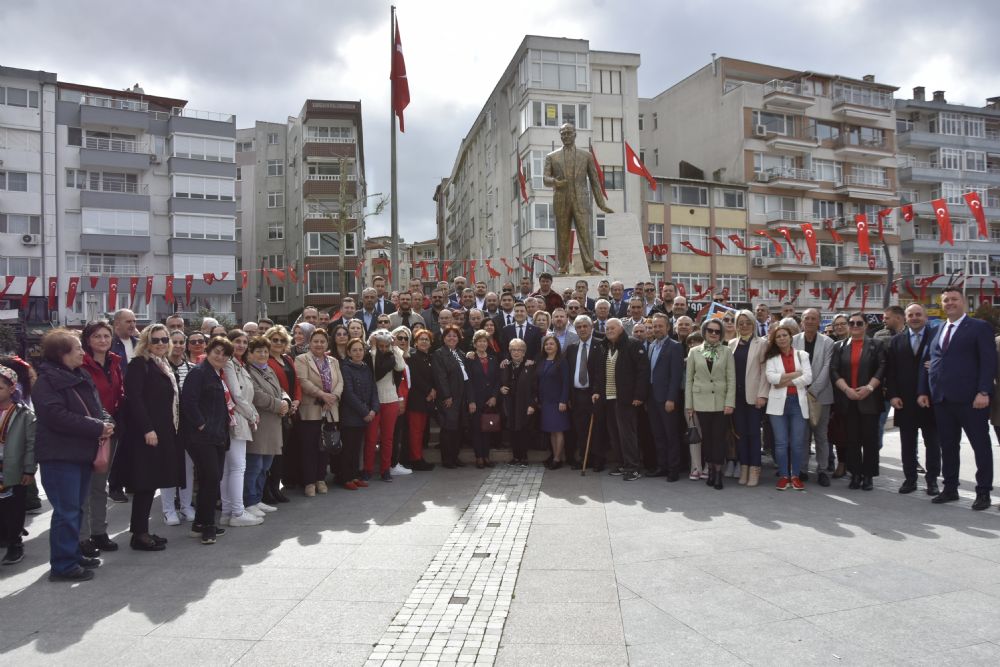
point(532, 567)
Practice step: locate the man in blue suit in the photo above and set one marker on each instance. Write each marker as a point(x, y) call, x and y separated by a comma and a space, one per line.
point(959, 384)
point(523, 329)
point(666, 375)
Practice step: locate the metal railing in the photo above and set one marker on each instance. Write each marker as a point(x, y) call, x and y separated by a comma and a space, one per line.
point(328, 140)
point(160, 115)
point(790, 258)
point(864, 98)
point(117, 270)
point(775, 173)
point(115, 186)
point(780, 216)
point(114, 145)
point(860, 263)
point(184, 112)
point(113, 103)
point(847, 141)
point(330, 177)
point(780, 86)
point(867, 181)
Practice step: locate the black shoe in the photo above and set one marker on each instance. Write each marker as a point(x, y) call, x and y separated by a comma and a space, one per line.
point(855, 482)
point(982, 501)
point(932, 489)
point(103, 542)
point(617, 472)
point(79, 574)
point(658, 472)
point(421, 466)
point(89, 563)
point(946, 496)
point(631, 476)
point(208, 536)
point(718, 481)
point(158, 539)
point(14, 555)
point(711, 477)
point(89, 549)
point(145, 543)
point(267, 496)
point(280, 497)
point(197, 529)
point(909, 486)
point(824, 479)
point(117, 495)
point(866, 484)
point(672, 477)
point(803, 476)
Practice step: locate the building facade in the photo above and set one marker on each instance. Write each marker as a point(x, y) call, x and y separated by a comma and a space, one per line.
point(812, 148)
point(549, 81)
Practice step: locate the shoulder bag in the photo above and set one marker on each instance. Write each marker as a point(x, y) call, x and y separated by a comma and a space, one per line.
point(102, 459)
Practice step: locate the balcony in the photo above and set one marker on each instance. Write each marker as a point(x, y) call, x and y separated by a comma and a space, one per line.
point(210, 123)
point(865, 187)
point(116, 270)
point(918, 171)
point(861, 266)
point(115, 154)
point(116, 195)
point(800, 142)
point(992, 208)
point(786, 95)
point(787, 177)
point(846, 225)
point(788, 263)
point(929, 244)
point(111, 112)
point(325, 149)
point(933, 140)
point(862, 104)
point(327, 184)
point(776, 219)
point(864, 149)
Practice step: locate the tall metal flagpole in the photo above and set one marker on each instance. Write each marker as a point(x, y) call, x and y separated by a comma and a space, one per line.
point(393, 197)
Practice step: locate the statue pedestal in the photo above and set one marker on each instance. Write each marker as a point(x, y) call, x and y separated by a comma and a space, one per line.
point(626, 258)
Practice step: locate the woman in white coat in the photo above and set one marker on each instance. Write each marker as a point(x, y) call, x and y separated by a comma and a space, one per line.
point(789, 373)
point(751, 394)
point(243, 422)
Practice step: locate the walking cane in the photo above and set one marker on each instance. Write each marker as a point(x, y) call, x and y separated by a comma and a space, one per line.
point(586, 451)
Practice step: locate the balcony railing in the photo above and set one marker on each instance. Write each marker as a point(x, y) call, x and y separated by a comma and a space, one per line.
point(112, 103)
point(329, 140)
point(114, 145)
point(203, 115)
point(780, 86)
point(123, 188)
point(330, 177)
point(864, 98)
point(993, 135)
point(117, 270)
point(861, 263)
point(776, 173)
point(867, 181)
point(847, 141)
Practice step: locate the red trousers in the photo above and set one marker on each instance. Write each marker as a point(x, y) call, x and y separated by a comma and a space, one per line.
point(384, 425)
point(417, 424)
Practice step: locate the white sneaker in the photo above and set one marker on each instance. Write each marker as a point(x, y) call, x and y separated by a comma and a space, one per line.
point(187, 514)
point(245, 519)
point(400, 469)
point(267, 509)
point(224, 520)
point(254, 511)
point(171, 519)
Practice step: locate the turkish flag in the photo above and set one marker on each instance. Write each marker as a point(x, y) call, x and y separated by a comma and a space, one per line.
point(133, 285)
point(976, 206)
point(738, 242)
point(777, 246)
point(53, 287)
point(168, 294)
point(29, 281)
point(834, 295)
point(472, 267)
point(493, 272)
point(850, 293)
point(944, 221)
point(810, 235)
point(814, 291)
point(244, 279)
point(719, 242)
point(188, 284)
point(864, 296)
point(8, 280)
point(149, 290)
point(697, 251)
point(510, 269)
point(74, 285)
point(681, 290)
point(600, 172)
point(279, 274)
point(112, 294)
point(907, 211)
point(635, 165)
point(93, 282)
point(400, 85)
point(828, 226)
point(882, 215)
point(209, 278)
point(861, 221)
point(791, 246)
point(522, 180)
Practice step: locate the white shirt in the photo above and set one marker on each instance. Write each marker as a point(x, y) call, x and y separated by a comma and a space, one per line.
point(129, 348)
point(944, 330)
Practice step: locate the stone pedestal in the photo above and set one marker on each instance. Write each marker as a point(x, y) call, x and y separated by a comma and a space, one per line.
point(626, 258)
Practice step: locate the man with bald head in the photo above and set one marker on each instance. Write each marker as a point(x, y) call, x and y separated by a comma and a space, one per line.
point(622, 388)
point(819, 347)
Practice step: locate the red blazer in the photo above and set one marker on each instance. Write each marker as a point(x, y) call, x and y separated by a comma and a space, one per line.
point(110, 384)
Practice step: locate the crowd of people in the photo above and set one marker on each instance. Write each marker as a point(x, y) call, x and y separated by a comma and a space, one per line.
point(224, 424)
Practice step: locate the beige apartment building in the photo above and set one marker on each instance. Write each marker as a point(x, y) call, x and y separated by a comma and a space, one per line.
point(810, 147)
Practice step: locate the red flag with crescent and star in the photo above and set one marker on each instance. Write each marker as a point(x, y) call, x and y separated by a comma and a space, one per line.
point(149, 290)
point(244, 279)
point(635, 166)
point(738, 242)
point(907, 211)
point(29, 281)
point(777, 246)
point(861, 222)
point(944, 221)
point(522, 181)
point(697, 251)
point(188, 284)
point(828, 226)
point(791, 246)
point(810, 235)
point(882, 215)
point(53, 288)
point(976, 206)
point(112, 294)
point(400, 84)
point(74, 285)
point(133, 285)
point(168, 294)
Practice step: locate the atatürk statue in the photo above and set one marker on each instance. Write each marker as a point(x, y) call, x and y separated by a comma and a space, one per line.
point(573, 175)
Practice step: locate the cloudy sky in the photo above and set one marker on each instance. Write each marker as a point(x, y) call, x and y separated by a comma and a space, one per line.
point(261, 60)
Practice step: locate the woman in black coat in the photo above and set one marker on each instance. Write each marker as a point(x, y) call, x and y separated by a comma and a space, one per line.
point(420, 399)
point(483, 395)
point(152, 415)
point(520, 401)
point(205, 426)
point(450, 378)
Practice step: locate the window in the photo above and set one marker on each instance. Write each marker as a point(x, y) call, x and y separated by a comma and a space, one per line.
point(947, 123)
point(20, 140)
point(272, 138)
point(19, 97)
point(697, 236)
point(545, 216)
point(102, 264)
point(654, 234)
point(276, 294)
point(275, 231)
point(828, 170)
point(108, 181)
point(115, 223)
point(909, 267)
point(614, 177)
point(76, 178)
point(558, 70)
point(862, 174)
point(691, 282)
point(275, 167)
point(733, 285)
point(20, 224)
point(652, 195)
point(656, 121)
point(640, 122)
point(244, 146)
point(949, 158)
point(552, 114)
point(204, 227)
point(826, 131)
point(608, 81)
point(19, 181)
point(608, 129)
point(274, 261)
point(689, 195)
point(827, 210)
point(328, 243)
point(725, 198)
point(204, 187)
point(20, 266)
point(777, 123)
point(329, 134)
point(730, 249)
point(275, 199)
point(974, 126)
point(324, 282)
point(203, 148)
point(199, 264)
point(656, 157)
point(600, 231)
point(975, 161)
point(239, 173)
point(829, 255)
point(764, 162)
point(535, 167)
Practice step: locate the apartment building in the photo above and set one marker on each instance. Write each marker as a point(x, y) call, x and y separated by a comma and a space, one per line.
point(812, 148)
point(947, 150)
point(549, 81)
point(290, 195)
point(423, 256)
point(113, 185)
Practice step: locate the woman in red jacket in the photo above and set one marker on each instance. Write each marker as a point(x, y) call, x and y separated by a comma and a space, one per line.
point(285, 466)
point(105, 369)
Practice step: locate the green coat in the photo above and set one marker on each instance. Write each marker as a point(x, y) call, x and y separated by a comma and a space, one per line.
point(713, 391)
point(19, 448)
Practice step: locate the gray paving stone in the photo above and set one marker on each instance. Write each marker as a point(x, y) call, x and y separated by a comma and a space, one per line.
point(566, 586)
point(562, 655)
point(572, 623)
point(268, 653)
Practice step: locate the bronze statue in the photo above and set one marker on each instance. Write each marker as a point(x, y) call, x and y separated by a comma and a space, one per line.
point(568, 170)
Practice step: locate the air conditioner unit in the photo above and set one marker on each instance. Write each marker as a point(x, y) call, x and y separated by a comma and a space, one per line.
point(760, 131)
point(154, 159)
point(758, 261)
point(31, 239)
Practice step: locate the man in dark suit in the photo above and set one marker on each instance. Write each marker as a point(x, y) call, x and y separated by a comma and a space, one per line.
point(907, 352)
point(666, 374)
point(622, 393)
point(505, 315)
point(585, 359)
point(123, 344)
point(602, 313)
point(586, 301)
point(367, 314)
point(619, 304)
point(430, 315)
point(959, 384)
point(523, 329)
point(348, 311)
point(383, 305)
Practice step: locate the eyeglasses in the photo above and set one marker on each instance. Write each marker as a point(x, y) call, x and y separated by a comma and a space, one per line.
point(197, 341)
point(717, 332)
point(339, 333)
point(277, 341)
point(650, 289)
point(856, 323)
point(727, 320)
point(401, 337)
point(159, 340)
point(383, 321)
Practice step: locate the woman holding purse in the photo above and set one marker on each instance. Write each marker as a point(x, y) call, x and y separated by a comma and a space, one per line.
point(322, 386)
point(789, 373)
point(484, 392)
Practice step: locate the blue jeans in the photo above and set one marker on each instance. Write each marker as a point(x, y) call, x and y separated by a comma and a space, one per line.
point(746, 421)
point(789, 436)
point(254, 477)
point(67, 485)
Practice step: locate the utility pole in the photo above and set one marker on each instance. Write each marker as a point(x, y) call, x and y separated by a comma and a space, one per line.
point(342, 216)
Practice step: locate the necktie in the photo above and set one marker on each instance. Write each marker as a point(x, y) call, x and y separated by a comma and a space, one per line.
point(600, 326)
point(378, 307)
point(763, 331)
point(520, 332)
point(406, 319)
point(509, 319)
point(915, 342)
point(581, 377)
point(947, 338)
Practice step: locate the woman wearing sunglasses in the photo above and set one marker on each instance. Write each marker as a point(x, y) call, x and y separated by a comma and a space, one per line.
point(856, 370)
point(179, 364)
point(751, 395)
point(196, 347)
point(710, 392)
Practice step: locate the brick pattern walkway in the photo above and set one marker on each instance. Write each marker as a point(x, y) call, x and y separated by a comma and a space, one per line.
point(456, 612)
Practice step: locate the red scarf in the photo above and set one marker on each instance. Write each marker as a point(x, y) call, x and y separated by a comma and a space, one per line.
point(230, 405)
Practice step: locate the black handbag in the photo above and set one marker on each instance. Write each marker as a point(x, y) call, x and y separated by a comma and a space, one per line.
point(329, 441)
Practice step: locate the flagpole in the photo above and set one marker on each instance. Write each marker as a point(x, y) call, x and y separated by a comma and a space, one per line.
point(393, 198)
point(624, 173)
